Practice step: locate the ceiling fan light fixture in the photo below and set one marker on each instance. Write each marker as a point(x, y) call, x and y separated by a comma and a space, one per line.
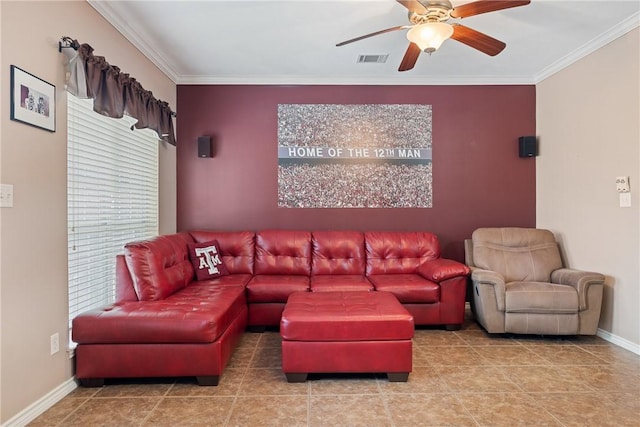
point(430, 35)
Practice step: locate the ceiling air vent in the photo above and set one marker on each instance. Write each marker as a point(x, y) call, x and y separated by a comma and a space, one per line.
point(372, 59)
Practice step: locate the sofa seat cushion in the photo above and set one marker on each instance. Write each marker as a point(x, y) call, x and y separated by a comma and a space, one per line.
point(230, 280)
point(340, 282)
point(408, 288)
point(345, 316)
point(540, 297)
point(197, 314)
point(275, 288)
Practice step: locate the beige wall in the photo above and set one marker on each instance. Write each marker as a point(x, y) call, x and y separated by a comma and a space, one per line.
point(33, 275)
point(588, 121)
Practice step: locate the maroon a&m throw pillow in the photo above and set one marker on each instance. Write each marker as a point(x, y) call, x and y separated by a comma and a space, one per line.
point(207, 260)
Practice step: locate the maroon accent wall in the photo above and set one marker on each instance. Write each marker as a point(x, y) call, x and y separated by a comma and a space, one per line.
point(478, 178)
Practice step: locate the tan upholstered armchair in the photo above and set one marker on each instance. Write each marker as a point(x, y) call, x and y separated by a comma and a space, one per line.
point(520, 286)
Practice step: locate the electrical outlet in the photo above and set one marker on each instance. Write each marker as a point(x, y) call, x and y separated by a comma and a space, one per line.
point(55, 343)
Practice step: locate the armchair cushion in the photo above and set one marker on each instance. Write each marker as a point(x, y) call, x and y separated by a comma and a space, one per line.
point(538, 297)
point(519, 254)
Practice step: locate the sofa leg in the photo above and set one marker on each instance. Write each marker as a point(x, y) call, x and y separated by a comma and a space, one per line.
point(208, 380)
point(257, 329)
point(91, 382)
point(453, 327)
point(398, 377)
point(296, 377)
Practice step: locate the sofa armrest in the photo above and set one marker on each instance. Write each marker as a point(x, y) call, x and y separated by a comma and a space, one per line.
point(490, 278)
point(440, 269)
point(581, 280)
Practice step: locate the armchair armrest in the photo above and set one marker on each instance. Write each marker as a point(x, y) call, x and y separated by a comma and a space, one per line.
point(491, 278)
point(581, 280)
point(440, 269)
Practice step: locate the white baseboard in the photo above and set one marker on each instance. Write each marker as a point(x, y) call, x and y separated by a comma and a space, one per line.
point(619, 341)
point(37, 408)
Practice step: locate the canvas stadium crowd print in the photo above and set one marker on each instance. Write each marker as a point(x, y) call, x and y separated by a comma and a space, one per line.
point(354, 156)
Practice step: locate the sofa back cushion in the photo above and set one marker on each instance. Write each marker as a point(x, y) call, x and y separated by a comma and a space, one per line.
point(519, 254)
point(283, 252)
point(159, 266)
point(398, 252)
point(337, 252)
point(237, 248)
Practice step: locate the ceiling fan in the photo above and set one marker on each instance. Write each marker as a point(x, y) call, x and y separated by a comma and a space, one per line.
point(430, 28)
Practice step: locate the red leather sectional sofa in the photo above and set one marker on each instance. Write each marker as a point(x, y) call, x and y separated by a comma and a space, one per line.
point(165, 323)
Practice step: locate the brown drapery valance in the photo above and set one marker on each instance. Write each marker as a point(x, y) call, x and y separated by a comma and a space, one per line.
point(115, 93)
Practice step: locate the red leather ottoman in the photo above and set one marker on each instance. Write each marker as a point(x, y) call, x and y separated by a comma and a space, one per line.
point(331, 332)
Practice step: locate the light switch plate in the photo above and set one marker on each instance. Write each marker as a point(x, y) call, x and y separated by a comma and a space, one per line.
point(6, 196)
point(625, 200)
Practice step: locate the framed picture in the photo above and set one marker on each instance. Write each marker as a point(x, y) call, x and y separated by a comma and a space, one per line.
point(33, 101)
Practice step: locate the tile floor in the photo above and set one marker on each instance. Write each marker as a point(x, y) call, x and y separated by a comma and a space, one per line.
point(461, 378)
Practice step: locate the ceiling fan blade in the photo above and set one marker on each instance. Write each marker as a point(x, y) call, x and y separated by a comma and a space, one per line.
point(477, 40)
point(484, 6)
point(410, 57)
point(388, 30)
point(413, 6)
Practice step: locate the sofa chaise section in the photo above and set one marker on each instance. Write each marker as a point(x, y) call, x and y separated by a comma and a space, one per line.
point(162, 323)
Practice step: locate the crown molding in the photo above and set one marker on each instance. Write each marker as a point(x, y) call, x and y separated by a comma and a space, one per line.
point(104, 8)
point(404, 80)
point(617, 31)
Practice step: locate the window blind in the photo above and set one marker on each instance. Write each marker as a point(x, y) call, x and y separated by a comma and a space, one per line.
point(112, 199)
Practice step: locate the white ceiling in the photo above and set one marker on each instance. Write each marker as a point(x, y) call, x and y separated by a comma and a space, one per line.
point(293, 42)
